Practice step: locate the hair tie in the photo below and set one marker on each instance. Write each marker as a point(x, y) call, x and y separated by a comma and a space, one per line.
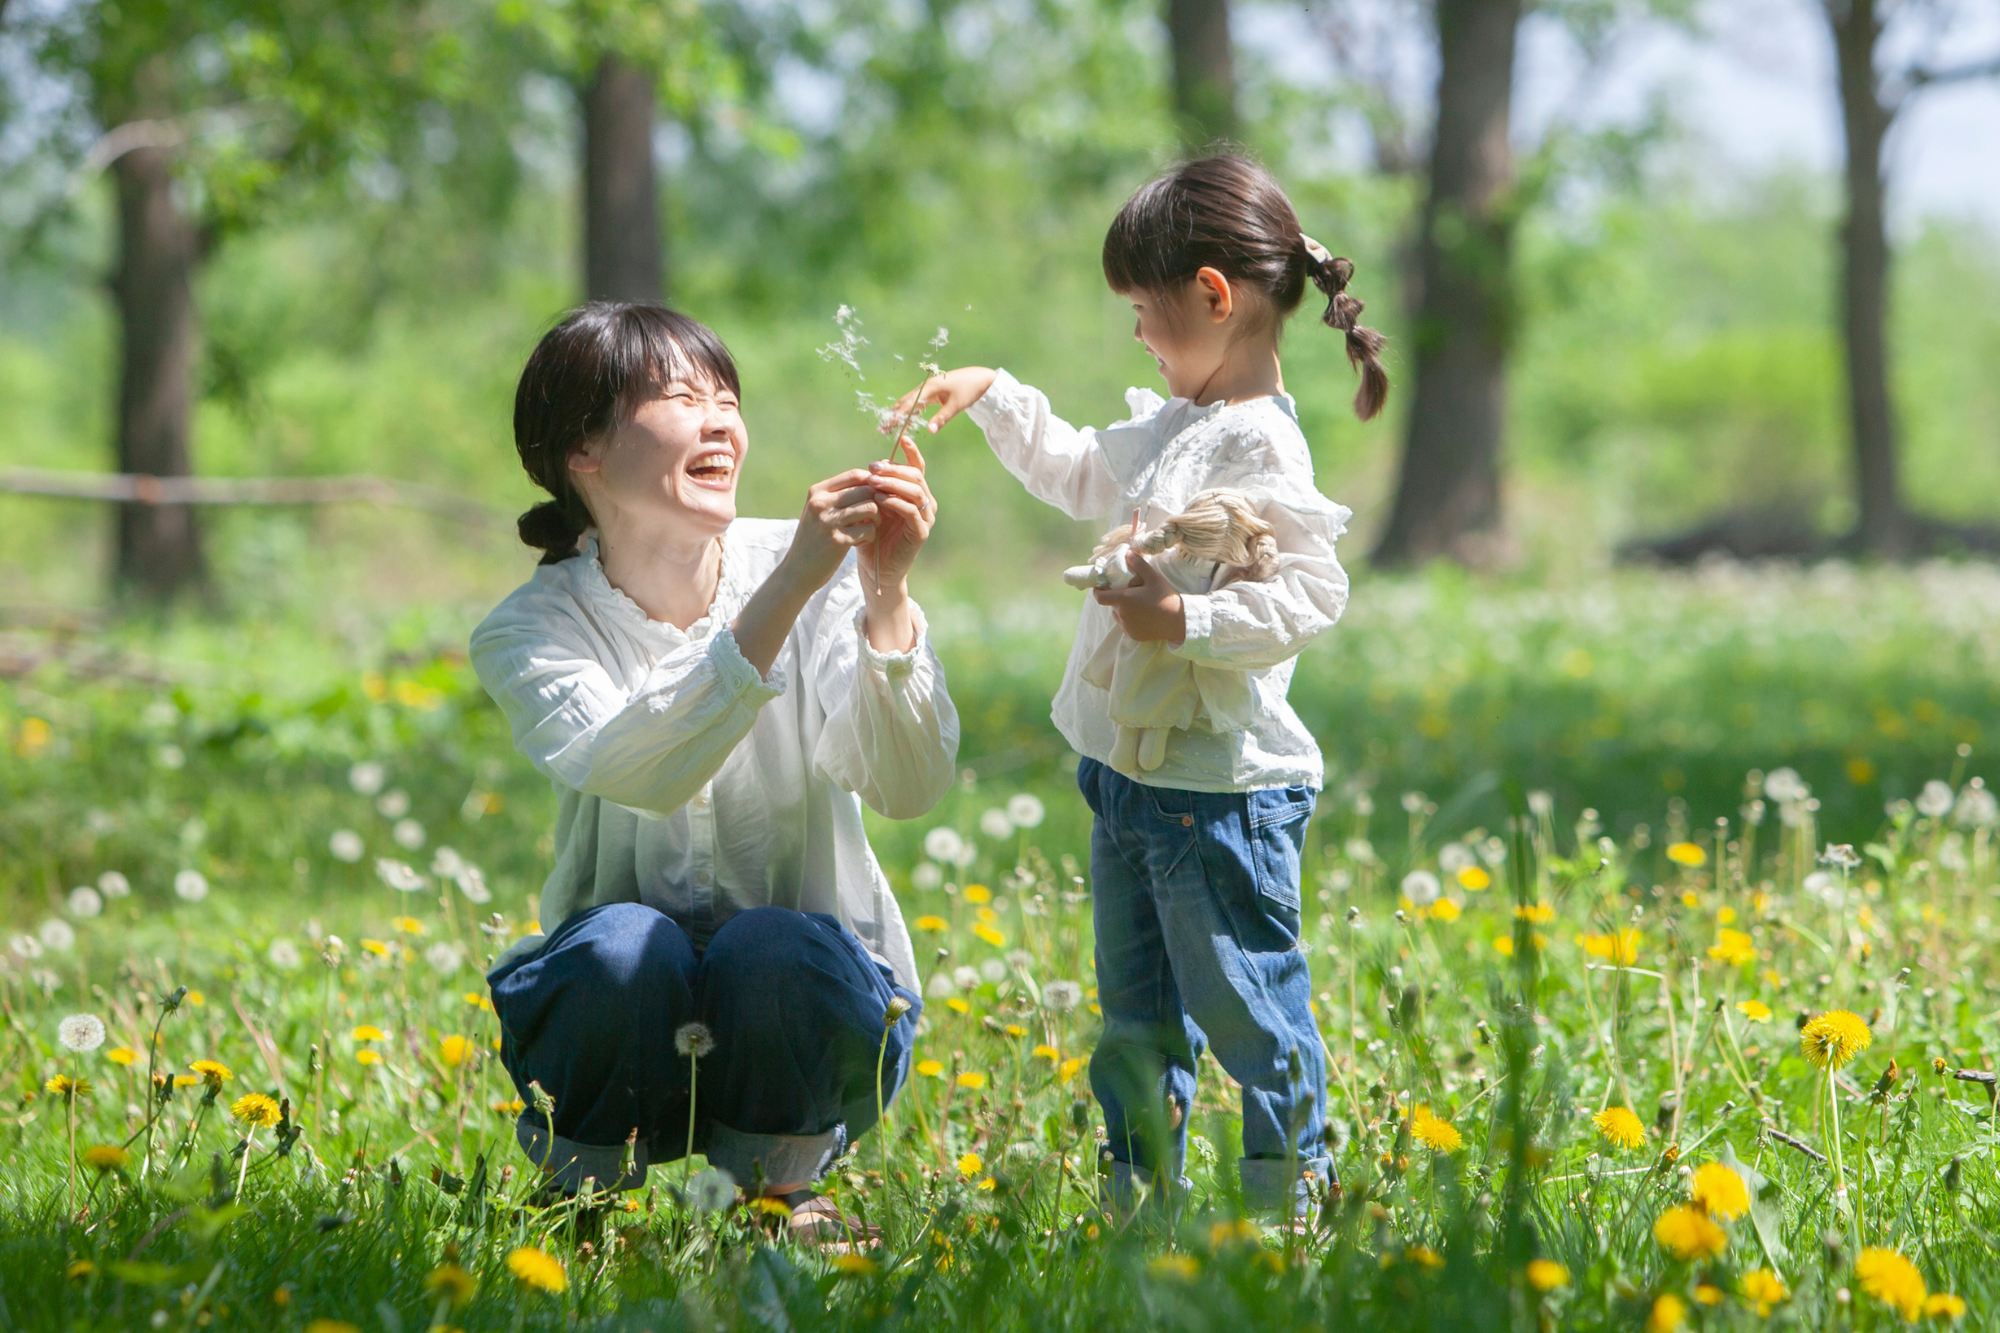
point(1320, 254)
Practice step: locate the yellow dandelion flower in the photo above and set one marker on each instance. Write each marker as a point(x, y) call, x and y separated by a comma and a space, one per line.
point(368, 1057)
point(855, 1265)
point(79, 1270)
point(930, 1068)
point(970, 1165)
point(1687, 854)
point(1621, 949)
point(369, 1032)
point(1016, 1030)
point(1690, 899)
point(986, 914)
point(121, 1055)
point(453, 1050)
point(1892, 1280)
point(65, 1086)
point(1754, 1010)
point(1944, 1305)
point(452, 1283)
point(1536, 914)
point(380, 948)
point(1619, 1126)
point(977, 893)
point(771, 1207)
point(1708, 1293)
point(1241, 1231)
point(213, 1072)
point(1546, 1274)
point(196, 998)
point(1444, 909)
point(1669, 1313)
point(972, 1079)
point(331, 1326)
point(1049, 1053)
point(479, 1000)
point(1763, 1289)
point(106, 1157)
point(1686, 1232)
point(1070, 1067)
point(1725, 916)
point(1435, 1134)
point(1732, 947)
point(1504, 946)
point(957, 1006)
point(1183, 1267)
point(1720, 1191)
point(1474, 879)
point(1834, 1038)
point(510, 1106)
point(932, 923)
point(409, 925)
point(185, 1080)
point(538, 1270)
point(1424, 1257)
point(254, 1108)
point(990, 935)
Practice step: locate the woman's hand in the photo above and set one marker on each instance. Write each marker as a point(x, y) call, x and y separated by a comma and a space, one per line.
point(906, 512)
point(841, 512)
point(1149, 609)
point(951, 393)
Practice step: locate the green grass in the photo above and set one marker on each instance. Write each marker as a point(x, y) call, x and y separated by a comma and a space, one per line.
point(228, 750)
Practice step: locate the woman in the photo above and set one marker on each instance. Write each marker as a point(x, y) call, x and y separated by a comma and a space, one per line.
point(713, 698)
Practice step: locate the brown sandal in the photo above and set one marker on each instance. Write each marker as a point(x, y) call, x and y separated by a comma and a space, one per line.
point(817, 1220)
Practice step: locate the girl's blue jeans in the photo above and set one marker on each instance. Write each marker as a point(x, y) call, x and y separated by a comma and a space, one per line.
point(1196, 906)
point(795, 1006)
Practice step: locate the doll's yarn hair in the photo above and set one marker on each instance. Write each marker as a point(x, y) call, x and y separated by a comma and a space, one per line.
point(1219, 525)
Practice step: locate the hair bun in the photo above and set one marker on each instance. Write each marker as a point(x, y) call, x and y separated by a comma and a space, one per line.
point(550, 528)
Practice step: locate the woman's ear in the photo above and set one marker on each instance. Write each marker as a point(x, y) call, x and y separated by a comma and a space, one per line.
point(587, 457)
point(1215, 298)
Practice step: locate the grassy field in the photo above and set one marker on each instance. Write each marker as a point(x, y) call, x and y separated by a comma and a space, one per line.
point(1573, 857)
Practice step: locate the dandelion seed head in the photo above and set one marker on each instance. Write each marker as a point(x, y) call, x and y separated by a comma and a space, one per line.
point(57, 934)
point(712, 1190)
point(113, 884)
point(367, 777)
point(1026, 810)
point(81, 1032)
point(693, 1040)
point(1062, 995)
point(1421, 887)
point(284, 955)
point(995, 824)
point(84, 902)
point(408, 833)
point(191, 886)
point(398, 875)
point(1935, 800)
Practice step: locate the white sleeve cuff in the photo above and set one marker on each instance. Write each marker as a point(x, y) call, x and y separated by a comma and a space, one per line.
point(988, 407)
point(1199, 610)
point(735, 672)
point(895, 667)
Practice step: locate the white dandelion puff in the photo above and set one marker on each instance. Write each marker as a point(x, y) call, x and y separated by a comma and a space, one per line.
point(284, 955)
point(693, 1040)
point(81, 1032)
point(367, 777)
point(26, 947)
point(927, 875)
point(712, 1190)
point(996, 825)
point(113, 884)
point(1454, 857)
point(393, 804)
point(471, 882)
point(85, 902)
point(1785, 786)
point(1061, 995)
point(444, 957)
point(1976, 806)
point(1934, 801)
point(940, 986)
point(58, 934)
point(965, 977)
point(1026, 810)
point(446, 862)
point(398, 875)
point(992, 969)
point(346, 845)
point(942, 844)
point(191, 886)
point(1421, 887)
point(409, 834)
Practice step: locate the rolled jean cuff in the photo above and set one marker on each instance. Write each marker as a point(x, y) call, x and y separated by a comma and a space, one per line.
point(1264, 1183)
point(568, 1163)
point(785, 1158)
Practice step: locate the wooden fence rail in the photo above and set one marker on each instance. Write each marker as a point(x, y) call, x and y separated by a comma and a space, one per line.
point(138, 488)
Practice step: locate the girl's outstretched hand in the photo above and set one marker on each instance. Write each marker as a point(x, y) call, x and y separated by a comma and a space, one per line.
point(950, 393)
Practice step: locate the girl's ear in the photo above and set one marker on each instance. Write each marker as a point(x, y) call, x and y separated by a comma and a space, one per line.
point(1217, 300)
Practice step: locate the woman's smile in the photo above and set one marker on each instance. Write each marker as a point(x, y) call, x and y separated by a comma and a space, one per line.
point(715, 469)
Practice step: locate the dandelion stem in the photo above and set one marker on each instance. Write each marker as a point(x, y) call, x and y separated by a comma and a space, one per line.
point(243, 1172)
point(687, 1158)
point(882, 1126)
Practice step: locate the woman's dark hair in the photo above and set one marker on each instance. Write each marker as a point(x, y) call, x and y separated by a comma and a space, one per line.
point(598, 364)
point(1226, 213)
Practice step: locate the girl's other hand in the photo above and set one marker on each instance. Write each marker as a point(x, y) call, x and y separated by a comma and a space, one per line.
point(950, 393)
point(906, 512)
point(1148, 609)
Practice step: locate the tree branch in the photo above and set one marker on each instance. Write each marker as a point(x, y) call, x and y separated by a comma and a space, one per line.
point(1978, 69)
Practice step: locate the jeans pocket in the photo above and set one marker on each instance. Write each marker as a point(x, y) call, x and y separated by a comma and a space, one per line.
point(1278, 820)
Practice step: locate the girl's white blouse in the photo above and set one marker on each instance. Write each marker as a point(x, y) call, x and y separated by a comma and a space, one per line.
point(687, 781)
point(1157, 461)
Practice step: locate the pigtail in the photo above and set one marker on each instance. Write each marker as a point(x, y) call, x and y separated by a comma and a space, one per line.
point(1364, 345)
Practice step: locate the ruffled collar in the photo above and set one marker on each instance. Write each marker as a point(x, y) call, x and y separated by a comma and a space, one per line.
point(729, 594)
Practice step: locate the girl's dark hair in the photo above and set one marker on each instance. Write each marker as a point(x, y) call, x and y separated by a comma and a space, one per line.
point(598, 364)
point(1226, 213)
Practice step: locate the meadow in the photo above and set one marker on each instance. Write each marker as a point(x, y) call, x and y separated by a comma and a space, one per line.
point(1651, 921)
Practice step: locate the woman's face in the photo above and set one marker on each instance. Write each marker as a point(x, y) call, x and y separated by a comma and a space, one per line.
point(670, 466)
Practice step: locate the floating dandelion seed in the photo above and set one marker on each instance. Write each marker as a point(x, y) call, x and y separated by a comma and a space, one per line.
point(712, 1190)
point(81, 1032)
point(693, 1040)
point(1834, 1038)
point(1891, 1279)
point(346, 845)
point(1620, 1127)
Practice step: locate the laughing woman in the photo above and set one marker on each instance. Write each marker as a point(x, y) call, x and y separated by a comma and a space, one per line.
point(712, 698)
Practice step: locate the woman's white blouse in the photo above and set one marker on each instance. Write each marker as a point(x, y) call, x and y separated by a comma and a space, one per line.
point(692, 784)
point(1156, 462)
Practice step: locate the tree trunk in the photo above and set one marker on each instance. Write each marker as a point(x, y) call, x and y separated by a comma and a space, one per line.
point(1448, 493)
point(159, 546)
point(622, 255)
point(1204, 71)
point(1880, 527)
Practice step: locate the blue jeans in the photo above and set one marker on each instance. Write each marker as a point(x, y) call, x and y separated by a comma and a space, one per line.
point(794, 1003)
point(1196, 906)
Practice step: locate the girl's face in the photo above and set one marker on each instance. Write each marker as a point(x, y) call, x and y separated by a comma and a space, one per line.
point(1189, 332)
point(670, 466)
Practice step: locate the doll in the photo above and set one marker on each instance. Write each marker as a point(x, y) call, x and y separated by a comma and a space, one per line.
point(1153, 691)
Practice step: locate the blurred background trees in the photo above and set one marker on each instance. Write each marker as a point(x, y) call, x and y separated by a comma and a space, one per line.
point(334, 230)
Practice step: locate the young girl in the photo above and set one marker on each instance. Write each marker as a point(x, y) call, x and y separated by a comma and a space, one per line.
point(1196, 869)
